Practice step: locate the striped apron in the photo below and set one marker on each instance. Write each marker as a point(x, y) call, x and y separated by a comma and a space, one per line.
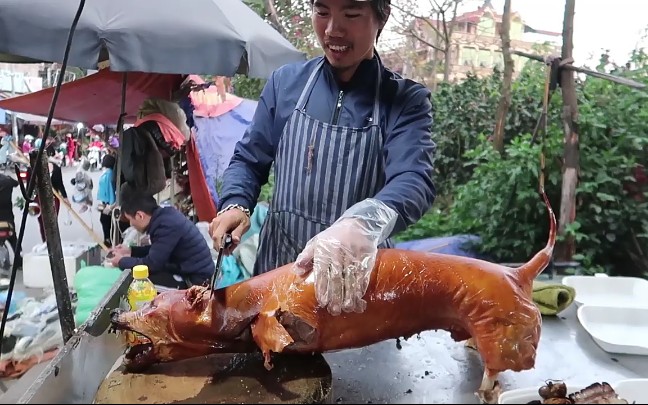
point(320, 170)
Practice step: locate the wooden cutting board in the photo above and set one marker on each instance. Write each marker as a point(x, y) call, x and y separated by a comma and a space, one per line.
point(226, 378)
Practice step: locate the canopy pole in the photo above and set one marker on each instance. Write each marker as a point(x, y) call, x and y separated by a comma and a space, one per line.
point(54, 247)
point(116, 232)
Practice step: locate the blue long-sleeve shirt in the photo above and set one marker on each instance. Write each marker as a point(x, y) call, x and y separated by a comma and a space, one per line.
point(406, 121)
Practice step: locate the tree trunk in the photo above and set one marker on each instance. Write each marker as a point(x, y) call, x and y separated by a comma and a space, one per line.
point(566, 249)
point(449, 27)
point(435, 70)
point(447, 61)
point(54, 248)
point(505, 99)
point(271, 10)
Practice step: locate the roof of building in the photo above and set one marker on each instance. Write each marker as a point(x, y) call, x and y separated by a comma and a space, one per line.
point(487, 8)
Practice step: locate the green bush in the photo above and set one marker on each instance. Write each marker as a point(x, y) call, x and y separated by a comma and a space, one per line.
point(496, 197)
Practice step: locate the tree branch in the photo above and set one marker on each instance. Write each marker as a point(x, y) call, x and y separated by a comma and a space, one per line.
point(454, 18)
point(415, 35)
point(600, 75)
point(271, 10)
point(417, 17)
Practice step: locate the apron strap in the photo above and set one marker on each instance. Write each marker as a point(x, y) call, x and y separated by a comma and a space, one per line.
point(302, 98)
point(375, 117)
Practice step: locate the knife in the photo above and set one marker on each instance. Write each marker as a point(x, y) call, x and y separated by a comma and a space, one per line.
point(226, 243)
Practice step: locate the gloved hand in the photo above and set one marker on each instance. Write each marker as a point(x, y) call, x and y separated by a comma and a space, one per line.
point(342, 257)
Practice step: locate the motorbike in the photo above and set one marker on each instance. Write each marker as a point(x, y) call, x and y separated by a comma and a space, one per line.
point(23, 174)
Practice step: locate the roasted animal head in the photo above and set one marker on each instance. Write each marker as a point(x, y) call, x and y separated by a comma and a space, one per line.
point(180, 324)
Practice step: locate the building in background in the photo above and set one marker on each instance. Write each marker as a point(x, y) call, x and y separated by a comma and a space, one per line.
point(17, 79)
point(22, 78)
point(475, 46)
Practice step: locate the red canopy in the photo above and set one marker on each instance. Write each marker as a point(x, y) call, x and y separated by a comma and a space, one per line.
point(203, 203)
point(96, 99)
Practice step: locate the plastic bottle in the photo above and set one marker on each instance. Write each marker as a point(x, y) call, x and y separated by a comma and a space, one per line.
point(140, 292)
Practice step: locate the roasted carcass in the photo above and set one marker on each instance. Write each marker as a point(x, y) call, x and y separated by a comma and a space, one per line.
point(409, 292)
point(555, 392)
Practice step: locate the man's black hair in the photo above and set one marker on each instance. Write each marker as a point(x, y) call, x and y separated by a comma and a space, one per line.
point(380, 8)
point(133, 200)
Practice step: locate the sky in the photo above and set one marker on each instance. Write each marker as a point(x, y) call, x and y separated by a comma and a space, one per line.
point(597, 24)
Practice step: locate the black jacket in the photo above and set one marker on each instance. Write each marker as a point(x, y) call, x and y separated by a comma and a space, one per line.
point(174, 240)
point(7, 185)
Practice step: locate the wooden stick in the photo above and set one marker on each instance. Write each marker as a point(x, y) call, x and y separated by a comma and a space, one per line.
point(600, 75)
point(92, 233)
point(19, 152)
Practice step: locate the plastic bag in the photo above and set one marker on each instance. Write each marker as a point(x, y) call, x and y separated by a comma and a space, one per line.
point(92, 283)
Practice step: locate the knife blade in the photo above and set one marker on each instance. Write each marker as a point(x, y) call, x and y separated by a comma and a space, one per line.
point(227, 241)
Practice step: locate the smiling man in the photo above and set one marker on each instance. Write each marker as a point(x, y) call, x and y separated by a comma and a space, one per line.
point(352, 152)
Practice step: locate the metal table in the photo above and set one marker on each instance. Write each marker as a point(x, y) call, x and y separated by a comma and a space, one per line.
point(429, 369)
point(435, 369)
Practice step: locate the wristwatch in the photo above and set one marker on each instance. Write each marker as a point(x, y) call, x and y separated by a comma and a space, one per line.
point(237, 206)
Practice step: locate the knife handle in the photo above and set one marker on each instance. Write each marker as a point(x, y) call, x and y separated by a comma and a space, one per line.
point(227, 241)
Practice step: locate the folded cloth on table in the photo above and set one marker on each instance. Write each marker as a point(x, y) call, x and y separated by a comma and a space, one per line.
point(552, 299)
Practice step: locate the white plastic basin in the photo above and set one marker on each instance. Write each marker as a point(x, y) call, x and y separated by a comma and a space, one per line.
point(616, 329)
point(601, 290)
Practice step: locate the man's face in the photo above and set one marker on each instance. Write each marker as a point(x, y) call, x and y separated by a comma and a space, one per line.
point(346, 30)
point(139, 221)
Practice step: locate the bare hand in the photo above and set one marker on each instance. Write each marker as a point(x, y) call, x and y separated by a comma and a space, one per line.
point(121, 250)
point(234, 222)
point(115, 259)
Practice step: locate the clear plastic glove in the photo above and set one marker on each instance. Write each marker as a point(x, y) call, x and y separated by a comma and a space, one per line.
point(342, 257)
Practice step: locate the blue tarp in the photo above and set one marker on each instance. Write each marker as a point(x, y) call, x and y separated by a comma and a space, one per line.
point(458, 245)
point(233, 271)
point(16, 298)
point(216, 138)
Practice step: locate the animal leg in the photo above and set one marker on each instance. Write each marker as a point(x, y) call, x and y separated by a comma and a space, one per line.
point(270, 336)
point(470, 344)
point(489, 390)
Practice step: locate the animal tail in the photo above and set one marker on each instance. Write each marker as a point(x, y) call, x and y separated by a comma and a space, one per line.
point(530, 270)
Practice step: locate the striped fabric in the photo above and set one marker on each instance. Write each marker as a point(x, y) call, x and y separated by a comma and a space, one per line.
point(320, 170)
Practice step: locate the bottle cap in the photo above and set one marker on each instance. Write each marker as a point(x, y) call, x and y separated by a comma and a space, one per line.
point(140, 271)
